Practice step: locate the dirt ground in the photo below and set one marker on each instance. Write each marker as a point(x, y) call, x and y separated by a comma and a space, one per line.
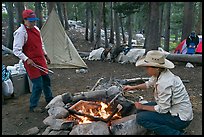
point(15, 116)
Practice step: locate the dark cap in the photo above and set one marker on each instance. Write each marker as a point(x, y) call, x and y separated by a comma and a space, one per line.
point(193, 34)
point(29, 15)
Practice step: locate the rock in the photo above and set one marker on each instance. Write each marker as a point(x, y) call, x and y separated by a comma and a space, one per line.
point(50, 120)
point(60, 132)
point(58, 112)
point(56, 101)
point(54, 132)
point(57, 124)
point(32, 131)
point(67, 97)
point(47, 130)
point(189, 65)
point(127, 126)
point(81, 71)
point(94, 128)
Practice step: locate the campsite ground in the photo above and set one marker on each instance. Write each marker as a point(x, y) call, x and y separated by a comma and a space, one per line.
point(15, 116)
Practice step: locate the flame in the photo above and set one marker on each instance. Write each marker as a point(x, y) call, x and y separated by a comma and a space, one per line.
point(96, 112)
point(84, 120)
point(103, 113)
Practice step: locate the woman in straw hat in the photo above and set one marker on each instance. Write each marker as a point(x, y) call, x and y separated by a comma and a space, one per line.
point(172, 110)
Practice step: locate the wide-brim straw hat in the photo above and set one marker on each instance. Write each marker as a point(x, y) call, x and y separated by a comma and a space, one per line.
point(155, 58)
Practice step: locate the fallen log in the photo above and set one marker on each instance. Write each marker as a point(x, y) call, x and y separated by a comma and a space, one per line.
point(195, 58)
point(7, 50)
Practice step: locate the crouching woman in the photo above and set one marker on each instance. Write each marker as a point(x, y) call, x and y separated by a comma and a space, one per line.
point(172, 110)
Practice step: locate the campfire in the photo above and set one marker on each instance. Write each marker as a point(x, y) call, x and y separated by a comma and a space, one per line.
point(89, 111)
point(101, 111)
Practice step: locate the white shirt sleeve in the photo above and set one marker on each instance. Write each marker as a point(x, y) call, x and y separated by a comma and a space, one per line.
point(20, 37)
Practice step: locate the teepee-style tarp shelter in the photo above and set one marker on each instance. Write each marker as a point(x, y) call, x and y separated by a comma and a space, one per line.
point(58, 45)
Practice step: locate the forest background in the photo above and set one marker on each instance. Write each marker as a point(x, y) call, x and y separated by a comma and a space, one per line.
point(163, 24)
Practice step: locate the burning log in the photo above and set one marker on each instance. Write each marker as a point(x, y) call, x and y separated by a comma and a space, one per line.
point(93, 118)
point(78, 109)
point(118, 108)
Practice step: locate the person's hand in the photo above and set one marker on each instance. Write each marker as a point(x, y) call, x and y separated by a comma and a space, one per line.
point(30, 62)
point(138, 105)
point(47, 59)
point(127, 88)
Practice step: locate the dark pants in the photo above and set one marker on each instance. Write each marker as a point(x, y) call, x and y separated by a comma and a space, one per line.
point(39, 84)
point(161, 124)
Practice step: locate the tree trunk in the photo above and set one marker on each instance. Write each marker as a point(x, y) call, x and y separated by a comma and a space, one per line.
point(198, 28)
point(19, 9)
point(147, 26)
point(64, 5)
point(122, 30)
point(129, 31)
point(111, 40)
point(167, 27)
point(92, 23)
point(60, 12)
point(187, 21)
point(9, 6)
point(98, 26)
point(153, 39)
point(105, 25)
point(176, 36)
point(75, 11)
point(161, 20)
point(87, 21)
point(38, 11)
point(116, 26)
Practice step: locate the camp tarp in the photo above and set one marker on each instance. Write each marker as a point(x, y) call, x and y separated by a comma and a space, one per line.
point(182, 49)
point(199, 48)
point(58, 45)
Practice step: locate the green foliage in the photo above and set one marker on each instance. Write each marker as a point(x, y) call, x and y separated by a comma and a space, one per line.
point(76, 10)
point(4, 15)
point(128, 8)
point(173, 45)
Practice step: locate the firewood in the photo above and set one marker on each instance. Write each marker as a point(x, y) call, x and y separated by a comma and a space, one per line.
point(71, 111)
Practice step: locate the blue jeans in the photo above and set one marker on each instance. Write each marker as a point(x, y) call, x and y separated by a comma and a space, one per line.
point(161, 124)
point(39, 84)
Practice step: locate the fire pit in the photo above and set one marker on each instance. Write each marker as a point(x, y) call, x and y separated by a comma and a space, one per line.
point(90, 113)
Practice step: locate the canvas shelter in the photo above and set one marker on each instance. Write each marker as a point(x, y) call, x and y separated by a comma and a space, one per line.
point(182, 49)
point(58, 45)
point(199, 48)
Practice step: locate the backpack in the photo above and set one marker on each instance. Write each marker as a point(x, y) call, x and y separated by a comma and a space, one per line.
point(6, 74)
